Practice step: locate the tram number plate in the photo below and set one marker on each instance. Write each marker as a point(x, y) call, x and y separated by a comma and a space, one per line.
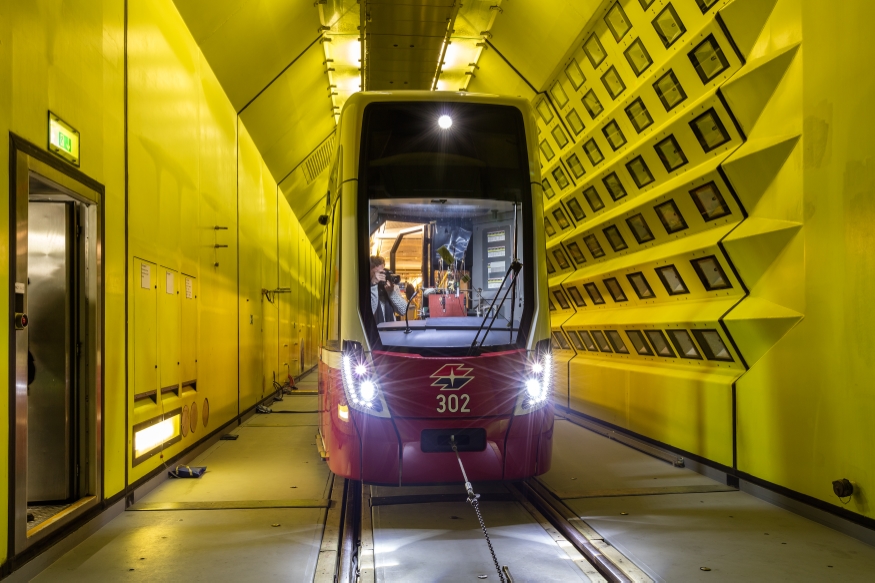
point(453, 403)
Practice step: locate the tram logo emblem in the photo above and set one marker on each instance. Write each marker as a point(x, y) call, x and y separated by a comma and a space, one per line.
point(452, 377)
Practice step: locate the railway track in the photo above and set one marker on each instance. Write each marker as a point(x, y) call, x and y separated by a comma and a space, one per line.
point(376, 534)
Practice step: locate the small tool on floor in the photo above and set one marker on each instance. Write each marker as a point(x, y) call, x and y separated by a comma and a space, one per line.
point(474, 500)
point(229, 437)
point(187, 471)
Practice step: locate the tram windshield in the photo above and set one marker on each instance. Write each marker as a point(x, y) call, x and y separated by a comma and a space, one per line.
point(446, 205)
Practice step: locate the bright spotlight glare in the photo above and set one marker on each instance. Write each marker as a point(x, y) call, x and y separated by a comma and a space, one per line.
point(368, 390)
point(533, 388)
point(445, 122)
point(360, 369)
point(537, 368)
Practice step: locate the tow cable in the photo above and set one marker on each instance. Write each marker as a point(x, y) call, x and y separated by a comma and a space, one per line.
point(474, 500)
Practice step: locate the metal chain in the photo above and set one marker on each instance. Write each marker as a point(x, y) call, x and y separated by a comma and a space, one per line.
point(473, 501)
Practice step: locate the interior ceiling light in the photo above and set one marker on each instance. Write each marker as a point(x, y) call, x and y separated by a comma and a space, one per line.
point(445, 122)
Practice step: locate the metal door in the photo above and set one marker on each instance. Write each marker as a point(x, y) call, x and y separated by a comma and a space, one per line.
point(50, 345)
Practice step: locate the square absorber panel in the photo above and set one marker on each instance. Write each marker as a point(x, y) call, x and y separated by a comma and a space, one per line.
point(615, 238)
point(547, 150)
point(587, 340)
point(560, 178)
point(614, 135)
point(684, 344)
point(559, 136)
point(613, 82)
point(617, 21)
point(548, 189)
point(549, 228)
point(576, 209)
point(557, 92)
point(573, 119)
point(575, 340)
point(708, 59)
point(709, 130)
point(574, 74)
point(638, 57)
point(614, 185)
point(672, 280)
point(601, 341)
point(575, 166)
point(576, 296)
point(594, 294)
point(640, 228)
point(594, 246)
point(668, 26)
point(639, 342)
point(641, 285)
point(560, 258)
point(561, 300)
point(671, 216)
point(592, 197)
point(712, 345)
point(711, 273)
point(576, 253)
point(593, 152)
point(616, 342)
point(710, 202)
point(639, 171)
point(561, 219)
point(545, 111)
point(594, 50)
point(638, 115)
point(671, 154)
point(669, 91)
point(592, 104)
point(660, 343)
point(561, 340)
point(615, 290)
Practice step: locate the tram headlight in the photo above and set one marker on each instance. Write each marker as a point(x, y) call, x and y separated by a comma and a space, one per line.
point(538, 383)
point(360, 385)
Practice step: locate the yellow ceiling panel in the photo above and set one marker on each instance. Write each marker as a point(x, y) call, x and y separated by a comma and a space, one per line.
point(204, 17)
point(254, 42)
point(293, 115)
point(496, 76)
point(536, 36)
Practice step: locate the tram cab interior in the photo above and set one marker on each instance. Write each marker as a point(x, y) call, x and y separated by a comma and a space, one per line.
point(448, 209)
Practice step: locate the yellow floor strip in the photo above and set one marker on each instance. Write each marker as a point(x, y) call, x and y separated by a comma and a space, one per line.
point(656, 491)
point(230, 505)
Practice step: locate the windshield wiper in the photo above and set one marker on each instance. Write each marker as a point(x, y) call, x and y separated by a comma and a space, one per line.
point(515, 268)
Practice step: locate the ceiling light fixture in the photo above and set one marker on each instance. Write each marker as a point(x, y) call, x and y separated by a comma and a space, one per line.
point(445, 122)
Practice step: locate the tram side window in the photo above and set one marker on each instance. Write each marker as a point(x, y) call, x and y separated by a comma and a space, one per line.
point(332, 334)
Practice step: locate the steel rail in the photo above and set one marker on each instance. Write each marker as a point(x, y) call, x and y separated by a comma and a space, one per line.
point(557, 518)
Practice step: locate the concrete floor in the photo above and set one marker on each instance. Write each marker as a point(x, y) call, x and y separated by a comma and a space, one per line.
point(673, 536)
point(275, 460)
point(442, 541)
point(628, 497)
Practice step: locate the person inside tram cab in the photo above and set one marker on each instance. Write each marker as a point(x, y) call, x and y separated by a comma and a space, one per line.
point(386, 300)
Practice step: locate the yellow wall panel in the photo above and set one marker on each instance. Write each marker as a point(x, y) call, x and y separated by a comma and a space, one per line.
point(183, 199)
point(644, 398)
point(168, 329)
point(269, 280)
point(251, 221)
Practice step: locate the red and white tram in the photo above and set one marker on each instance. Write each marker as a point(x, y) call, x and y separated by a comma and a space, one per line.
point(440, 191)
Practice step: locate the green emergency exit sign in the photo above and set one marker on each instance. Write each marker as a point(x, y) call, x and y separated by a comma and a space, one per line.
point(63, 139)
